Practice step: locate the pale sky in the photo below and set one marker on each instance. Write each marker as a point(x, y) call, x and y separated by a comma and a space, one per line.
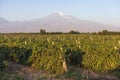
point(103, 11)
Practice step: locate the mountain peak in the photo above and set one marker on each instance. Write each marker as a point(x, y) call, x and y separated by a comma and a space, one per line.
point(60, 13)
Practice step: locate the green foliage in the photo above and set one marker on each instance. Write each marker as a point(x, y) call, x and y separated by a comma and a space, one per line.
point(42, 31)
point(73, 32)
point(2, 65)
point(101, 55)
point(51, 56)
point(2, 58)
point(48, 52)
point(19, 55)
point(105, 32)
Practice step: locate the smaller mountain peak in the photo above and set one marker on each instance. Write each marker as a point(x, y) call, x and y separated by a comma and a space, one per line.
point(2, 20)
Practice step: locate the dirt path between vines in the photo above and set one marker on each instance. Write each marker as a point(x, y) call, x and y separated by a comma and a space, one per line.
point(30, 74)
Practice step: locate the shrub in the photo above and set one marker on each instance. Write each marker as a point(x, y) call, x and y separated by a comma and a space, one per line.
point(101, 58)
point(52, 58)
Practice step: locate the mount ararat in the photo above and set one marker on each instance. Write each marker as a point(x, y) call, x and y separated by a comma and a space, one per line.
point(56, 22)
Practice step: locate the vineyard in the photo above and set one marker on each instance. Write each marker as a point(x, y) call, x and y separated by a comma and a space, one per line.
point(56, 53)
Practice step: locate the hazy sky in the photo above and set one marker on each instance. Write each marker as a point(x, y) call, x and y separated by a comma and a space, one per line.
point(104, 11)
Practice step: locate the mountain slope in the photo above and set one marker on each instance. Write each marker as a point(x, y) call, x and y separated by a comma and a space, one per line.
point(56, 22)
point(53, 23)
point(2, 20)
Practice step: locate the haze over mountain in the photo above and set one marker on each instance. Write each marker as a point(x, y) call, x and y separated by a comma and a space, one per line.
point(56, 22)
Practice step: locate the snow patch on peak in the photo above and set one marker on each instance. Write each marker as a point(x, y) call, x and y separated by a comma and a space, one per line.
point(60, 13)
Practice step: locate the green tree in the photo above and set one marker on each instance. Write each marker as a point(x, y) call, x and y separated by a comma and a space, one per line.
point(42, 31)
point(73, 32)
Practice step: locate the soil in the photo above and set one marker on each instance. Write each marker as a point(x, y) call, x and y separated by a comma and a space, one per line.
point(29, 73)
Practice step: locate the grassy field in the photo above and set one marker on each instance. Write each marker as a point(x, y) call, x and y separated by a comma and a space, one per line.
point(58, 53)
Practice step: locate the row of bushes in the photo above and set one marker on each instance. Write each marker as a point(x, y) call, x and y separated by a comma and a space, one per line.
point(50, 59)
point(14, 53)
point(57, 52)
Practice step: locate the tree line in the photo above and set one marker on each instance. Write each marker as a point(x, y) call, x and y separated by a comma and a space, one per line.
point(103, 32)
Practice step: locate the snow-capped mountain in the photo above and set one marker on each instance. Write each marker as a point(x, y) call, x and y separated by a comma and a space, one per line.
point(56, 22)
